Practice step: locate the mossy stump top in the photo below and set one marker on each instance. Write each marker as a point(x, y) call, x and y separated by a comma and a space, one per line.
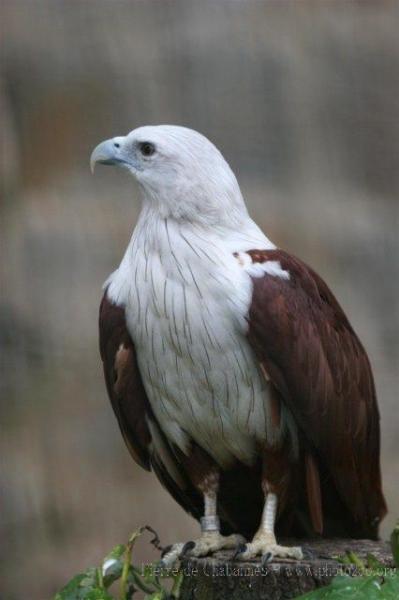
point(220, 578)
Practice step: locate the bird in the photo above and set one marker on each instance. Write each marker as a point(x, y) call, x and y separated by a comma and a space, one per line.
point(233, 372)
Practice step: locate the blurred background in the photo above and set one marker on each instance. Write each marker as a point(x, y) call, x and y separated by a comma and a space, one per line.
point(302, 98)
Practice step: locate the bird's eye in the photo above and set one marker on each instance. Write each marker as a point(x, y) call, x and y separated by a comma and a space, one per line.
point(146, 148)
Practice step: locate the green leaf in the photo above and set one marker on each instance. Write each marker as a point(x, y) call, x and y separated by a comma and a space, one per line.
point(151, 573)
point(341, 587)
point(78, 587)
point(345, 587)
point(112, 565)
point(160, 595)
point(391, 588)
point(343, 559)
point(84, 586)
point(374, 563)
point(136, 579)
point(177, 583)
point(116, 552)
point(395, 544)
point(98, 594)
point(70, 590)
point(366, 588)
point(355, 560)
point(126, 588)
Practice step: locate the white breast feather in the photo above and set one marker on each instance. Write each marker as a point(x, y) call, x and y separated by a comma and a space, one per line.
point(187, 298)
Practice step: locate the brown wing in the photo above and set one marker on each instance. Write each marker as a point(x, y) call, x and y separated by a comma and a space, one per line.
point(139, 427)
point(306, 345)
point(123, 381)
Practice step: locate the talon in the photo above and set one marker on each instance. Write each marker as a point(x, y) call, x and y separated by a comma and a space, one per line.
point(239, 550)
point(266, 558)
point(298, 554)
point(186, 548)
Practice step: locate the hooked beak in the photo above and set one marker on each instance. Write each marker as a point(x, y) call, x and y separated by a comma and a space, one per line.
point(107, 153)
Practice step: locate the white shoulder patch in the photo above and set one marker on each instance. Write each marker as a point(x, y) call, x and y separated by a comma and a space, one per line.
point(257, 269)
point(273, 267)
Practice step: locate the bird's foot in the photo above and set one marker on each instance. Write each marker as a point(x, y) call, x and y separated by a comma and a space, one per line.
point(265, 545)
point(209, 542)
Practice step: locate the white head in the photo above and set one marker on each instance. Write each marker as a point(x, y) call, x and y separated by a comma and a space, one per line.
point(181, 173)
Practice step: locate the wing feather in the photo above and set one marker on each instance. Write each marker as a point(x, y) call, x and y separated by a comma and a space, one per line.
point(305, 343)
point(140, 429)
point(123, 381)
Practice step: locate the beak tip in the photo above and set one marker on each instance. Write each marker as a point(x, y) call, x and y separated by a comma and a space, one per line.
point(95, 157)
point(104, 154)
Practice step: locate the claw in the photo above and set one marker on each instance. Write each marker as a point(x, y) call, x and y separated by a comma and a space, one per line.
point(266, 558)
point(268, 549)
point(208, 543)
point(239, 550)
point(186, 548)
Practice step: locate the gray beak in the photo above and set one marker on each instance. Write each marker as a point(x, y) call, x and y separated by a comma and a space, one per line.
point(107, 153)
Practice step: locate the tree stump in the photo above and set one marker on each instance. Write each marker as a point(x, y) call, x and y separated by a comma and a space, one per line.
point(220, 578)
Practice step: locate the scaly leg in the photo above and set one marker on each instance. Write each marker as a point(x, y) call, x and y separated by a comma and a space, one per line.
point(211, 539)
point(264, 542)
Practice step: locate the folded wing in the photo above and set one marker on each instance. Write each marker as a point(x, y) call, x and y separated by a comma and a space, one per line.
point(308, 349)
point(141, 432)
